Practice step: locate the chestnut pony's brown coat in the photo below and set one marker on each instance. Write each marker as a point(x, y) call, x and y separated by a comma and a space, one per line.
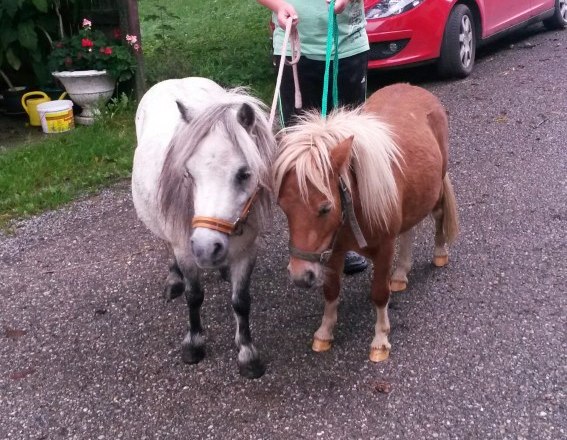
point(392, 155)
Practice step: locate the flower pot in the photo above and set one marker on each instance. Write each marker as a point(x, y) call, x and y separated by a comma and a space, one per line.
point(90, 89)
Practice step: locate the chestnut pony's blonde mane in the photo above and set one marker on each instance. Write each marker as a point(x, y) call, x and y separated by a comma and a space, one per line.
point(306, 147)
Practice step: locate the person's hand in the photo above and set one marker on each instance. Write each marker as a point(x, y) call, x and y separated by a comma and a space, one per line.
point(284, 12)
point(340, 5)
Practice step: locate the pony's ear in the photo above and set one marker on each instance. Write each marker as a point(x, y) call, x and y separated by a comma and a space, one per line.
point(186, 113)
point(246, 116)
point(340, 155)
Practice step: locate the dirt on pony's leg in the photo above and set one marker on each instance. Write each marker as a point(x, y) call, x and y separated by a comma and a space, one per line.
point(323, 337)
point(380, 346)
point(399, 280)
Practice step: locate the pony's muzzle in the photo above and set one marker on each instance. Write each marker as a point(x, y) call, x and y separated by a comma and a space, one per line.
point(209, 248)
point(304, 275)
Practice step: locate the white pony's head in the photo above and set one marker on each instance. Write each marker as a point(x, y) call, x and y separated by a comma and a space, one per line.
point(217, 161)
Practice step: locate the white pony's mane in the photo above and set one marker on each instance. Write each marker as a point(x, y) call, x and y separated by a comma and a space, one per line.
point(306, 147)
point(175, 196)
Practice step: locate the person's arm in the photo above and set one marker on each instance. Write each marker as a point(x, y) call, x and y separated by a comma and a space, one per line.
point(282, 9)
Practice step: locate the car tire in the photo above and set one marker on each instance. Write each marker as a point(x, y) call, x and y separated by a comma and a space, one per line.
point(559, 18)
point(458, 48)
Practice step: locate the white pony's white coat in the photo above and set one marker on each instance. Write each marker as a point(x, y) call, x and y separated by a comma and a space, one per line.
point(156, 121)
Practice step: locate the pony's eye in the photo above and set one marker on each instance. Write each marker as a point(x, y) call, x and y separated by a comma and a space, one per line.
point(243, 175)
point(324, 209)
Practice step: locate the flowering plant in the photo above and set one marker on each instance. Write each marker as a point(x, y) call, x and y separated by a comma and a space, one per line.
point(92, 50)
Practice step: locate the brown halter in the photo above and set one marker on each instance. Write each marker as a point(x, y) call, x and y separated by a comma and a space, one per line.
point(226, 227)
point(347, 212)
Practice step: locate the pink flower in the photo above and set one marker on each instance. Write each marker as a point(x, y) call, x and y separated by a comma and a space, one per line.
point(136, 47)
point(87, 23)
point(131, 39)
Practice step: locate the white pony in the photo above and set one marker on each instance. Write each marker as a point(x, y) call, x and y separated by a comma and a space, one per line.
point(201, 182)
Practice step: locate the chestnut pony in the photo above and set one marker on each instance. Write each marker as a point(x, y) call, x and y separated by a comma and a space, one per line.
point(356, 181)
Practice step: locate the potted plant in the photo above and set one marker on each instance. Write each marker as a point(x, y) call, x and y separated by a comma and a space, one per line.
point(89, 64)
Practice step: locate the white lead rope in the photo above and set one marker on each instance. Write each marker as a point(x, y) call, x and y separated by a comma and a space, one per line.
point(295, 54)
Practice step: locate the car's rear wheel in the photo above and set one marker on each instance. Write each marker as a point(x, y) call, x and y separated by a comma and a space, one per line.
point(559, 18)
point(458, 48)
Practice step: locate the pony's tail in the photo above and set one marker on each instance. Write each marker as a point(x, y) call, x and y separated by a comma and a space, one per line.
point(450, 215)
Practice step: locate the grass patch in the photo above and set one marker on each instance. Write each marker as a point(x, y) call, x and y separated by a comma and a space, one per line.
point(226, 41)
point(53, 172)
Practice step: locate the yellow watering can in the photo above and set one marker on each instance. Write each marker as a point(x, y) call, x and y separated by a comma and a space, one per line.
point(31, 100)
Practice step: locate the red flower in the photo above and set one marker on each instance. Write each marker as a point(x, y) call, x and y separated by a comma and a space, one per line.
point(108, 50)
point(117, 33)
point(59, 44)
point(85, 42)
point(68, 61)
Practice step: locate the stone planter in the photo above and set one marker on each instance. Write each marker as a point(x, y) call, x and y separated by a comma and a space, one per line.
point(90, 89)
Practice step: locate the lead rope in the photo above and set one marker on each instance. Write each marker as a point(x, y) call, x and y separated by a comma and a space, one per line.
point(332, 40)
point(295, 54)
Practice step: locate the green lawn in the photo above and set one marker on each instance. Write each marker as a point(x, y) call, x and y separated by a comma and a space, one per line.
point(227, 41)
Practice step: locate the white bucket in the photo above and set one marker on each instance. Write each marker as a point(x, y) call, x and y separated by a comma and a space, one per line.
point(56, 116)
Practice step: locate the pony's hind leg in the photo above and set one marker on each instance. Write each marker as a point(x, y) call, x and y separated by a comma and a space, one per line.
point(446, 223)
point(399, 279)
point(380, 347)
point(249, 362)
point(174, 283)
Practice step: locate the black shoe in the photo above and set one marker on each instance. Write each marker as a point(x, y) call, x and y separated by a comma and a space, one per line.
point(354, 263)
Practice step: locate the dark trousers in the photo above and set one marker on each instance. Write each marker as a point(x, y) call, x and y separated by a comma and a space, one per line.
point(352, 83)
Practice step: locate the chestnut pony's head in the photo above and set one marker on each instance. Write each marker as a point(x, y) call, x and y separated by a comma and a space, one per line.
point(313, 157)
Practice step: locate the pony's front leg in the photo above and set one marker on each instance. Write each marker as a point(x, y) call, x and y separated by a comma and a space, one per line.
point(249, 363)
point(380, 347)
point(323, 337)
point(193, 345)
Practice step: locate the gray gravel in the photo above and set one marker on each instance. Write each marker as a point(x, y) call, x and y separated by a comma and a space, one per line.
point(89, 350)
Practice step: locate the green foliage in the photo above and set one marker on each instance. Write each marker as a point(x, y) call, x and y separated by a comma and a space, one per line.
point(227, 41)
point(92, 50)
point(26, 27)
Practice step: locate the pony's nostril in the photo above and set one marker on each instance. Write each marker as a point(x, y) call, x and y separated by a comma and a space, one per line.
point(217, 249)
point(310, 277)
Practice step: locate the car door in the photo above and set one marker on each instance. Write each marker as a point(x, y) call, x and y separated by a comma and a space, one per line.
point(539, 6)
point(502, 14)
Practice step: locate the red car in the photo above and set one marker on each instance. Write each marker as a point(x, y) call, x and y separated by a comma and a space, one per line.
point(403, 32)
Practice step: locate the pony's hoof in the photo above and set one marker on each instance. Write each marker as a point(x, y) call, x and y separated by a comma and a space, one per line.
point(440, 260)
point(320, 345)
point(192, 354)
point(252, 369)
point(173, 290)
point(398, 285)
point(379, 354)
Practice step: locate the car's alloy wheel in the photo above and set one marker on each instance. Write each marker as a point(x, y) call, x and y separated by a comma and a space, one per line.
point(466, 37)
point(458, 47)
point(559, 18)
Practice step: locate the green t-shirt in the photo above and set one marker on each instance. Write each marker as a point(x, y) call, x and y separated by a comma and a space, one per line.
point(312, 28)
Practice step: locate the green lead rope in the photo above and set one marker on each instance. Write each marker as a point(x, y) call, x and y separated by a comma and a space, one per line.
point(332, 40)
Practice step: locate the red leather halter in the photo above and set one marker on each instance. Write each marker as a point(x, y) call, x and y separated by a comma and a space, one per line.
point(226, 227)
